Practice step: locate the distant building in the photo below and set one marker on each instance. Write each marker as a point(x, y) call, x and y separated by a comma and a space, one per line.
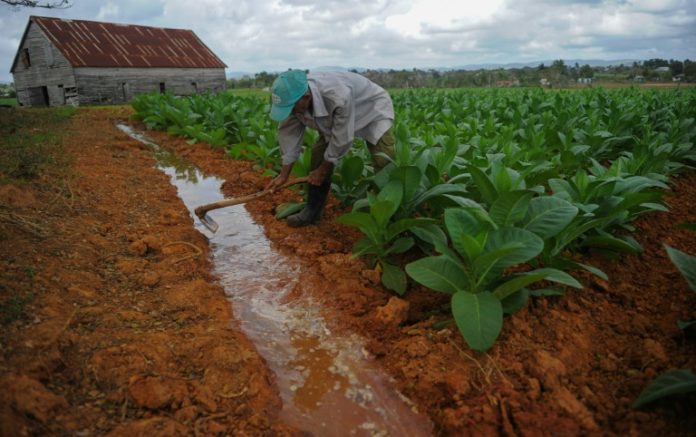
point(638, 78)
point(62, 61)
point(585, 80)
point(544, 82)
point(662, 69)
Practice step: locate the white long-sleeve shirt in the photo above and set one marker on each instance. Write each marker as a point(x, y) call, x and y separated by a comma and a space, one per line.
point(344, 106)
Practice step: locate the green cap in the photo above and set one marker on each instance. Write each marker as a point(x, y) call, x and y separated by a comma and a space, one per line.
point(287, 89)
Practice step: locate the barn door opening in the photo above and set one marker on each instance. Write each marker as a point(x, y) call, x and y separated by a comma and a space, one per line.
point(44, 95)
point(38, 96)
point(162, 87)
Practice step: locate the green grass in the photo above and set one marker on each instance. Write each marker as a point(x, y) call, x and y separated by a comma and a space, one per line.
point(31, 141)
point(246, 92)
point(8, 101)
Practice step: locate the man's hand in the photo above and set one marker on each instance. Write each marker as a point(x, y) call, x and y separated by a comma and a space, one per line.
point(279, 180)
point(318, 175)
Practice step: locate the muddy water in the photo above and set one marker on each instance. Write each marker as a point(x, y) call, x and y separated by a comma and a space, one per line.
point(328, 383)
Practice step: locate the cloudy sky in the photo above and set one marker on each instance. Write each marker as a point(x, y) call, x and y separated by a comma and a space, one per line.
point(273, 35)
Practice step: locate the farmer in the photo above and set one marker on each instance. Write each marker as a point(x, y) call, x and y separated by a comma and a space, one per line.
point(340, 106)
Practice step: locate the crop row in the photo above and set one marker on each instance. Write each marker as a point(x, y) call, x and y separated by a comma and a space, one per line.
point(494, 193)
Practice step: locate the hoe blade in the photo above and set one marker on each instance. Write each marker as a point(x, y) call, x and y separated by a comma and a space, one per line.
point(209, 223)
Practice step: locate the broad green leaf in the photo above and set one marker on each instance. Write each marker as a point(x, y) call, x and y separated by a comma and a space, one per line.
point(516, 283)
point(438, 273)
point(669, 383)
point(592, 269)
point(479, 318)
point(401, 245)
point(410, 177)
point(392, 192)
point(438, 190)
point(515, 301)
point(528, 244)
point(406, 224)
point(483, 184)
point(431, 234)
point(578, 227)
point(365, 246)
point(468, 246)
point(503, 179)
point(381, 211)
point(557, 276)
point(548, 215)
point(393, 278)
point(685, 263)
point(459, 220)
point(464, 202)
point(351, 169)
point(611, 243)
point(462, 228)
point(658, 207)
point(510, 207)
point(286, 209)
point(493, 261)
point(361, 220)
point(635, 184)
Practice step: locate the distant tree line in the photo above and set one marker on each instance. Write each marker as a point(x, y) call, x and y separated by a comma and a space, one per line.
point(7, 90)
point(557, 74)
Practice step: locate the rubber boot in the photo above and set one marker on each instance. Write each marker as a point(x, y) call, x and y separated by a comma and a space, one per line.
point(316, 199)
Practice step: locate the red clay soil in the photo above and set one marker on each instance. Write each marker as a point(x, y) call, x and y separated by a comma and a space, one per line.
point(130, 334)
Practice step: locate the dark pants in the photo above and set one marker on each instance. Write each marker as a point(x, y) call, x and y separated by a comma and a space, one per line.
point(384, 145)
point(316, 197)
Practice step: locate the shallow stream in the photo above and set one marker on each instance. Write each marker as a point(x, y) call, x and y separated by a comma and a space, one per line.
point(328, 383)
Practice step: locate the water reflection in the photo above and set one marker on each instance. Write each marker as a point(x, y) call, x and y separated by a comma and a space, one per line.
point(328, 386)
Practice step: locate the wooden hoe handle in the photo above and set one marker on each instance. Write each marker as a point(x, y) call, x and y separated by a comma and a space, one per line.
point(203, 209)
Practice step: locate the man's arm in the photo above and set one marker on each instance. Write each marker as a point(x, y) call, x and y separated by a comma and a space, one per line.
point(290, 137)
point(279, 180)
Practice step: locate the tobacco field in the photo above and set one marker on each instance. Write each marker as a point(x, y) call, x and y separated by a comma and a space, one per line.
point(526, 265)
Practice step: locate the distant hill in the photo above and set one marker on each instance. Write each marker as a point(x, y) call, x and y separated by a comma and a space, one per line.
point(568, 62)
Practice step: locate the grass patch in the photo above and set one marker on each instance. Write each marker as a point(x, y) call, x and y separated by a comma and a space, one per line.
point(247, 92)
point(31, 141)
point(8, 101)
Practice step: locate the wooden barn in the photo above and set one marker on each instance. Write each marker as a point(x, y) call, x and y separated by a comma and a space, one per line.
point(75, 62)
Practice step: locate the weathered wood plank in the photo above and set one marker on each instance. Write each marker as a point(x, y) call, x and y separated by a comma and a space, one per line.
point(51, 75)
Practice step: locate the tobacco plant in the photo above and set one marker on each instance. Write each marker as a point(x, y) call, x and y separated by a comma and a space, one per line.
point(384, 238)
point(476, 270)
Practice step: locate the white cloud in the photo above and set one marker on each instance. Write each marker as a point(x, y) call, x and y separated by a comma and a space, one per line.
point(272, 35)
point(433, 16)
point(108, 12)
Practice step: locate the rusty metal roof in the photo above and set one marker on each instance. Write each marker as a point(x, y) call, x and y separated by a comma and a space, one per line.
point(96, 44)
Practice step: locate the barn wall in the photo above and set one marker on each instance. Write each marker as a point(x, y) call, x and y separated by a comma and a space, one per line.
point(118, 85)
point(48, 68)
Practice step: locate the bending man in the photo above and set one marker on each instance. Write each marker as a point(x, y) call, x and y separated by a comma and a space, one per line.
point(340, 106)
